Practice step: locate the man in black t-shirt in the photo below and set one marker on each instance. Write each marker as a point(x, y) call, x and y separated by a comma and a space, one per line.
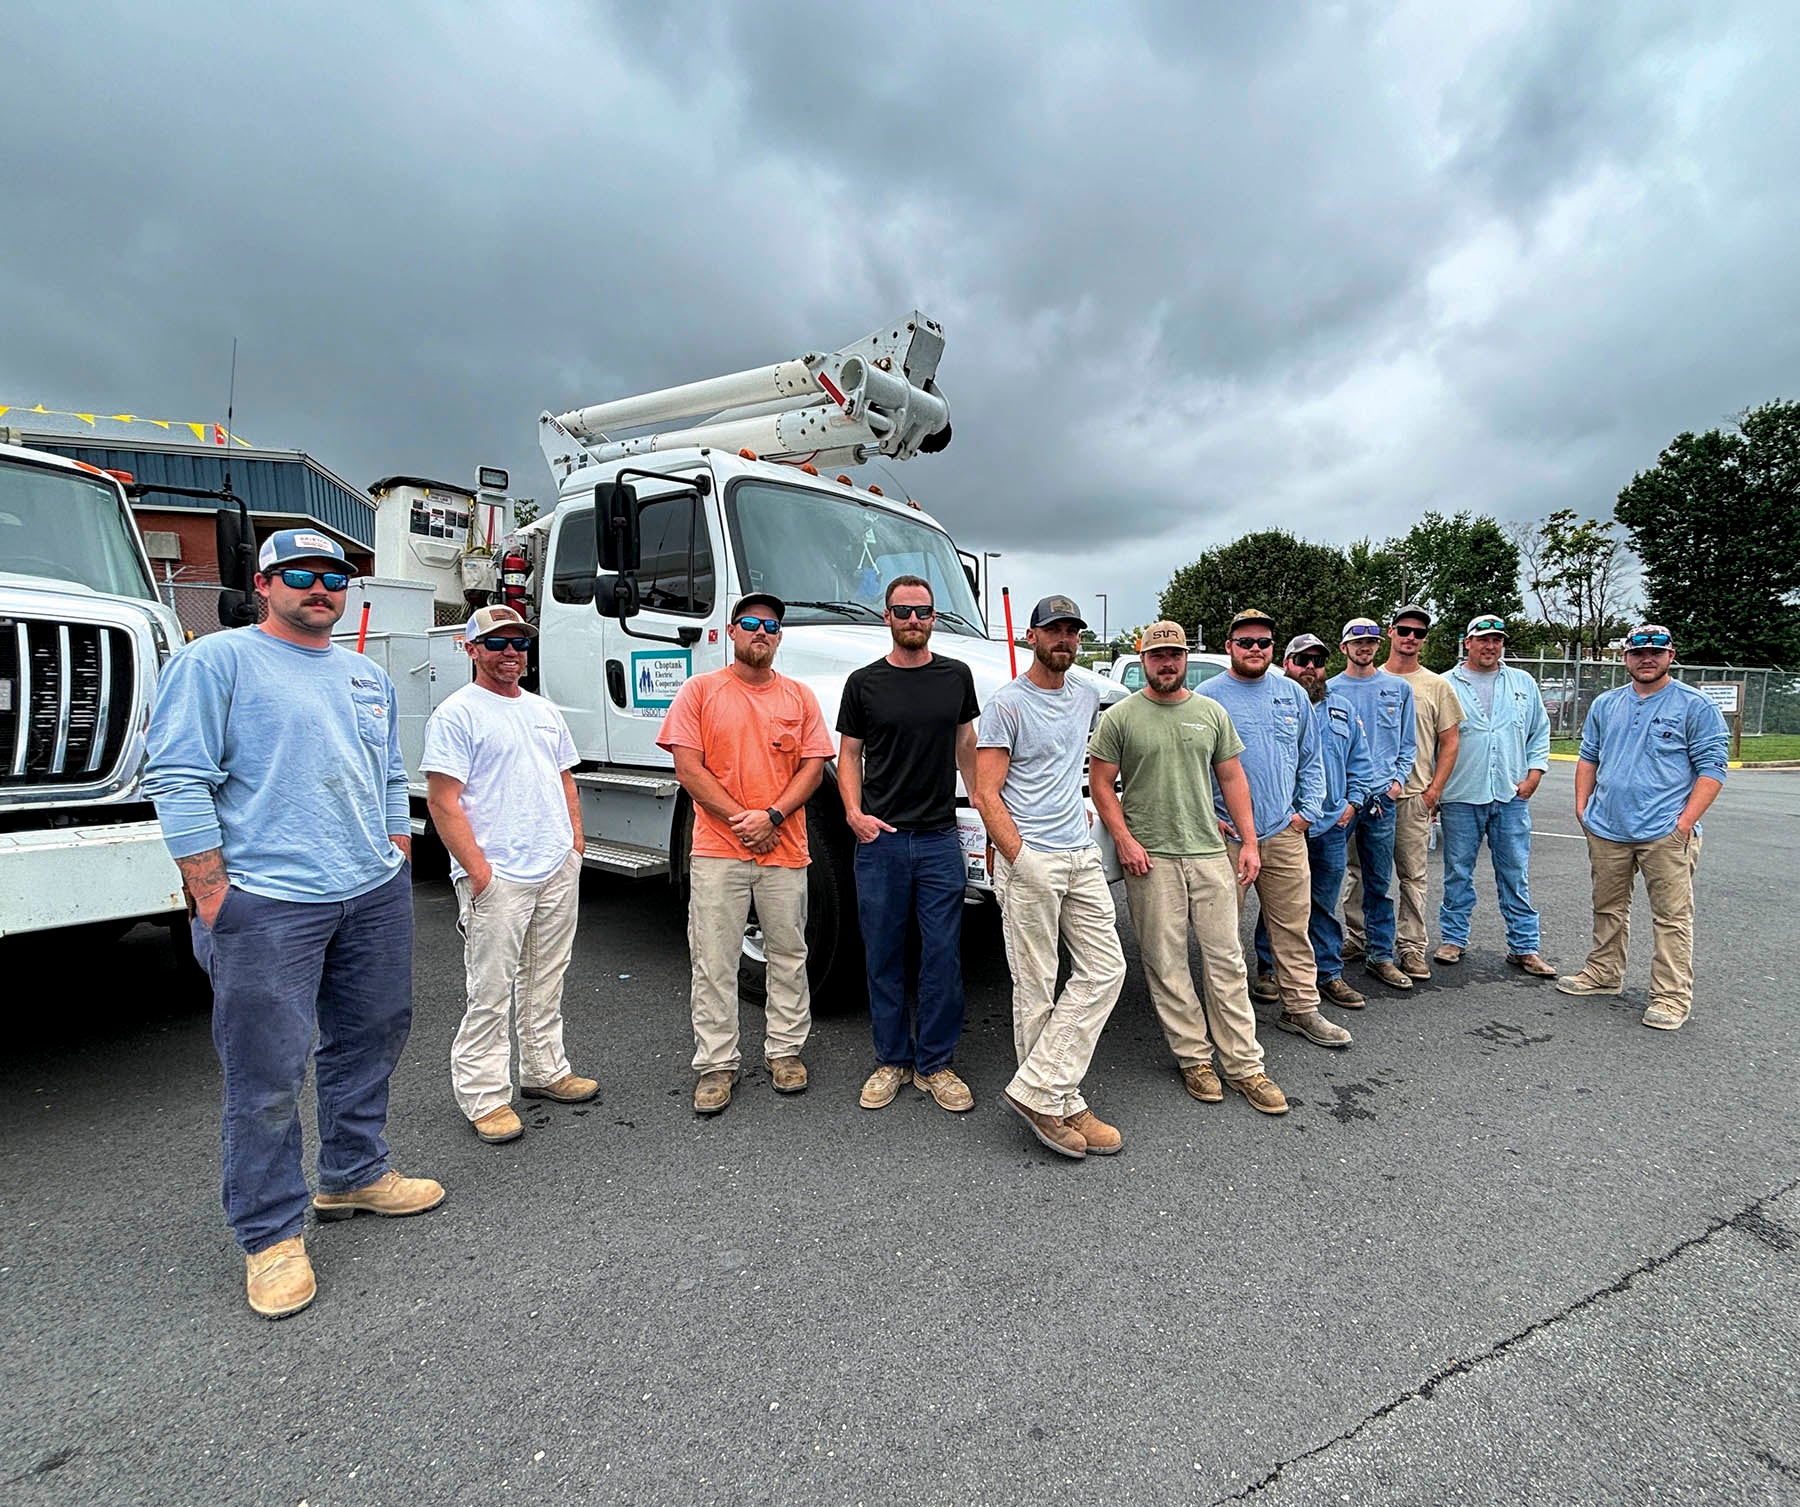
point(908, 724)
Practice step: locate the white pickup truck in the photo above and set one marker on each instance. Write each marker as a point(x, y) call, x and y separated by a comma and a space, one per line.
point(1128, 669)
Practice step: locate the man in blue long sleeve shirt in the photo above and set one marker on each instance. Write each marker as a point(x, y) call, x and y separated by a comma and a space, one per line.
point(1286, 770)
point(1350, 780)
point(1502, 755)
point(275, 767)
point(1384, 702)
point(1652, 760)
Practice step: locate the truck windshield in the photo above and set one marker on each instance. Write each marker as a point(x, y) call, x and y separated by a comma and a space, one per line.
point(65, 527)
point(830, 559)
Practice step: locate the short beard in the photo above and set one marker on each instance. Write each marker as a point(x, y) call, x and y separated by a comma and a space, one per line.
point(1042, 655)
point(1246, 672)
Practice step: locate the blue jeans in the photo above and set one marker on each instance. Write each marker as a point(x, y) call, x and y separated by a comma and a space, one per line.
point(898, 876)
point(1507, 827)
point(1374, 839)
point(282, 973)
point(1326, 856)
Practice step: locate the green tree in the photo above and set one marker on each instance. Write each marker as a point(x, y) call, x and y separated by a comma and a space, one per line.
point(1305, 587)
point(1716, 523)
point(1578, 572)
point(1456, 567)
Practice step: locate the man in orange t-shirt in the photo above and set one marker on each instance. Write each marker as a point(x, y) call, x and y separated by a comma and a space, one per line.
point(749, 746)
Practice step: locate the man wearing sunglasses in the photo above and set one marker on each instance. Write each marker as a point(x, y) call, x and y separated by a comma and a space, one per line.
point(749, 747)
point(497, 763)
point(1502, 754)
point(1652, 760)
point(906, 725)
point(1286, 768)
point(275, 766)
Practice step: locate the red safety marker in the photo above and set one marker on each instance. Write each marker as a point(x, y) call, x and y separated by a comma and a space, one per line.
point(362, 631)
point(1012, 654)
point(833, 391)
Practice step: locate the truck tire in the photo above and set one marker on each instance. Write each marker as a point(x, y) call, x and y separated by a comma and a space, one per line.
point(834, 950)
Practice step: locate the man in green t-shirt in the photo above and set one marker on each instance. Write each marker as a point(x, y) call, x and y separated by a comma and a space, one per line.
point(1168, 744)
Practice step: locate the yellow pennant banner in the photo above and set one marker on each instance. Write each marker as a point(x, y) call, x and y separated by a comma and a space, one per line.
point(206, 434)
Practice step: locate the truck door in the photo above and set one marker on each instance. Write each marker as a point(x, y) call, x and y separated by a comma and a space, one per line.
point(571, 649)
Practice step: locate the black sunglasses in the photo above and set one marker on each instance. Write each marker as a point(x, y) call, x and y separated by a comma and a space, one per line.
point(1400, 632)
point(1246, 642)
point(1311, 661)
point(498, 641)
point(302, 580)
point(903, 611)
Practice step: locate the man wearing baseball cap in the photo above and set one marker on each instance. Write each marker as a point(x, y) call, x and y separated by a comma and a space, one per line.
point(1652, 760)
point(1502, 755)
point(1168, 744)
point(274, 762)
point(497, 763)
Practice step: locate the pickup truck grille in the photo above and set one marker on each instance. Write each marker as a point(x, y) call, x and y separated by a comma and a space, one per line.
point(66, 694)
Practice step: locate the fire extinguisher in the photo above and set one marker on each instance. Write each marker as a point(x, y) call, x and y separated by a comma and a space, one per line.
point(514, 570)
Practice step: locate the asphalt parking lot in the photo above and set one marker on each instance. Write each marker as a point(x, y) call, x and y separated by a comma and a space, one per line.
point(1511, 1247)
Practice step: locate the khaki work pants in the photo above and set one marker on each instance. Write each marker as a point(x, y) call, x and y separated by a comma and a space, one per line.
point(1412, 838)
point(1179, 894)
point(1284, 892)
point(517, 939)
point(1668, 866)
point(1044, 896)
point(719, 894)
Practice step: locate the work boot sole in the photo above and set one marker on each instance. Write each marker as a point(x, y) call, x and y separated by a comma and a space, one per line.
point(1264, 1109)
point(500, 1138)
point(1580, 991)
point(345, 1211)
point(544, 1093)
point(1020, 1110)
point(1294, 1026)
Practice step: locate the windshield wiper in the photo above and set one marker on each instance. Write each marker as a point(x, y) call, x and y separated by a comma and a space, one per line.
point(957, 617)
point(848, 609)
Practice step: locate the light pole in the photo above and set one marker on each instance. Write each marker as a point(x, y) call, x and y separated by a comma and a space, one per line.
point(1103, 638)
point(987, 630)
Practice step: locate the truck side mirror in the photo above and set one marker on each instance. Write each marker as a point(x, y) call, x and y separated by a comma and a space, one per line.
point(616, 541)
point(234, 536)
point(616, 596)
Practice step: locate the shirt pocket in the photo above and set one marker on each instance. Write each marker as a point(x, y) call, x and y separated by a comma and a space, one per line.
point(371, 718)
point(1285, 728)
point(784, 734)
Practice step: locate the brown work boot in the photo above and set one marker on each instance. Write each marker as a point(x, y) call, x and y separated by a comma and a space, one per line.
point(1448, 954)
point(787, 1075)
point(1202, 1081)
point(1263, 987)
point(279, 1280)
point(390, 1194)
point(886, 1081)
point(1388, 974)
point(1412, 963)
point(1530, 962)
point(1314, 1027)
point(1340, 993)
point(1260, 1090)
point(567, 1089)
point(949, 1090)
point(713, 1092)
point(1060, 1137)
point(1662, 1018)
point(1102, 1139)
point(499, 1125)
point(1352, 949)
point(1583, 983)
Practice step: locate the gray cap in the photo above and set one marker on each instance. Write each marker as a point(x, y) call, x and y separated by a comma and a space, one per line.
point(1301, 642)
point(1411, 609)
point(1056, 610)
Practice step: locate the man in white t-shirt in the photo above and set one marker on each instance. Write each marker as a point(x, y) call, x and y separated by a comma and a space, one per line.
point(497, 761)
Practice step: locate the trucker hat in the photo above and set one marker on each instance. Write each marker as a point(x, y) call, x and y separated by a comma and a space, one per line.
point(1411, 609)
point(767, 598)
point(1301, 642)
point(1360, 627)
point(1059, 610)
point(1163, 635)
point(497, 617)
point(1484, 623)
point(1250, 615)
point(287, 545)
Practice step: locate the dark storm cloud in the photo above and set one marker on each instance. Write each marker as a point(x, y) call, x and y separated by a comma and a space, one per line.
point(1202, 267)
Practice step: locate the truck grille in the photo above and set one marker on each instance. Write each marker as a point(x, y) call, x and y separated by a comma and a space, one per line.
point(66, 694)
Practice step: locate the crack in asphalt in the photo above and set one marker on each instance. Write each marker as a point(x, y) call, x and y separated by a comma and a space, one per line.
point(1749, 1220)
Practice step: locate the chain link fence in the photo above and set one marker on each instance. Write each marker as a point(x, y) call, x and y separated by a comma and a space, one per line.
point(1771, 698)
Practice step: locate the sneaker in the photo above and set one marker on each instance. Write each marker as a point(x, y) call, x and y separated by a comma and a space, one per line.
point(1353, 950)
point(1340, 993)
point(1412, 963)
point(1661, 1018)
point(1202, 1081)
point(886, 1081)
point(713, 1092)
point(1260, 1090)
point(1530, 962)
point(1102, 1139)
point(787, 1075)
point(949, 1090)
point(1384, 969)
point(279, 1281)
point(390, 1195)
point(567, 1089)
point(499, 1125)
point(1263, 987)
point(1315, 1028)
point(1581, 983)
point(1449, 954)
point(1059, 1136)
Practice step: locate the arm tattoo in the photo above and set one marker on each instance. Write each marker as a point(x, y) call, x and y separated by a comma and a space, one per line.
point(204, 873)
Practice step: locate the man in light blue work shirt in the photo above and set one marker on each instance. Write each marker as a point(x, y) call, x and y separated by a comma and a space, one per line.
point(1282, 760)
point(1349, 782)
point(1504, 751)
point(1652, 760)
point(274, 763)
point(1384, 703)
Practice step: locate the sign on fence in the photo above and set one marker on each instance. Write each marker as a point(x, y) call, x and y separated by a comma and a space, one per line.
point(1728, 697)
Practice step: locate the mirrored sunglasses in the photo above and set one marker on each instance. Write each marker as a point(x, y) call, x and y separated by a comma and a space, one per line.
point(751, 624)
point(1362, 630)
point(302, 580)
point(1649, 641)
point(1488, 625)
point(498, 641)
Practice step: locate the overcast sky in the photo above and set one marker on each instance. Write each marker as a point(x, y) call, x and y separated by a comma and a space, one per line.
point(1202, 267)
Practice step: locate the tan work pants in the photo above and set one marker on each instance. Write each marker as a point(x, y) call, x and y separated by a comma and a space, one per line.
point(719, 894)
point(1044, 896)
point(1668, 866)
point(517, 939)
point(1412, 837)
point(1179, 894)
point(1284, 891)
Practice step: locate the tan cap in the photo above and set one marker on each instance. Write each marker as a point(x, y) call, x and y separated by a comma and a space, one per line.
point(1163, 635)
point(497, 618)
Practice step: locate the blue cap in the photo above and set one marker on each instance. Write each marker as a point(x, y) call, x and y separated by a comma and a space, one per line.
point(287, 545)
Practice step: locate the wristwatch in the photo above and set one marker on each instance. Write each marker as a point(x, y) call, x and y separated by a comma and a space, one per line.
point(776, 816)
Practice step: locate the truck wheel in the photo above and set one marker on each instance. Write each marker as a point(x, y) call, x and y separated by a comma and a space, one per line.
point(834, 951)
